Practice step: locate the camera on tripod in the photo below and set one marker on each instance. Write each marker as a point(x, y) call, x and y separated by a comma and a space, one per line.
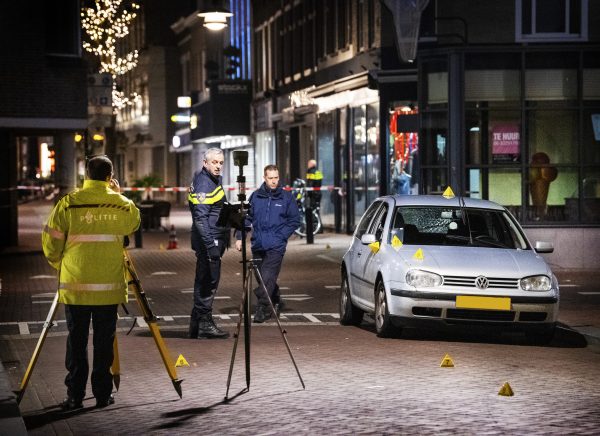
point(234, 214)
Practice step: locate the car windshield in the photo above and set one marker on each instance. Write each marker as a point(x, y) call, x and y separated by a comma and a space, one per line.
point(456, 226)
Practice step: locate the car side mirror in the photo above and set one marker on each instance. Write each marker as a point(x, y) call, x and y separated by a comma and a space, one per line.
point(368, 238)
point(543, 247)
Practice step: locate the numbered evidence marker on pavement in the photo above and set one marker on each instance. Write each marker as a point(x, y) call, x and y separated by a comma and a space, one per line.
point(181, 361)
point(447, 362)
point(506, 390)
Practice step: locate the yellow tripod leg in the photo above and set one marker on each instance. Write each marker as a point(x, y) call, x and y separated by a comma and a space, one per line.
point(115, 368)
point(150, 319)
point(38, 349)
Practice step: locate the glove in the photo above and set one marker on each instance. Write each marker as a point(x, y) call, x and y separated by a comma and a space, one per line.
point(214, 253)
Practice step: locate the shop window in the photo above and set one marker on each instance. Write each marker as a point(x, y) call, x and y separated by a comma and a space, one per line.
point(552, 191)
point(493, 137)
point(590, 196)
point(435, 180)
point(435, 138)
point(551, 20)
point(496, 184)
point(403, 146)
point(591, 78)
point(434, 84)
point(591, 136)
point(554, 133)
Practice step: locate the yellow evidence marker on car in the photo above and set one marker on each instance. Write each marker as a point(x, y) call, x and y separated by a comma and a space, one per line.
point(396, 243)
point(374, 246)
point(448, 193)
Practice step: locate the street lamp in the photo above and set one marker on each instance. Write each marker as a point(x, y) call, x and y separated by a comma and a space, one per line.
point(215, 16)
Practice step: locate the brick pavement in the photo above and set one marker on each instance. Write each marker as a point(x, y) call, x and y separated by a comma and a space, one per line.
point(356, 382)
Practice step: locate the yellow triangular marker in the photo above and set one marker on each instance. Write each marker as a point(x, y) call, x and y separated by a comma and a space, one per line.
point(506, 390)
point(161, 247)
point(418, 255)
point(181, 361)
point(396, 243)
point(374, 246)
point(328, 247)
point(447, 362)
point(448, 193)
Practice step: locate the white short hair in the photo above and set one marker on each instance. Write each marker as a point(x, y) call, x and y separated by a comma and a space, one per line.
point(214, 151)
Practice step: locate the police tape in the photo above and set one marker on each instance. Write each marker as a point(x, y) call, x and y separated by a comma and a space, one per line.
point(226, 187)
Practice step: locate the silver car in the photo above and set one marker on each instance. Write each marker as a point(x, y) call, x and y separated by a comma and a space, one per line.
point(453, 260)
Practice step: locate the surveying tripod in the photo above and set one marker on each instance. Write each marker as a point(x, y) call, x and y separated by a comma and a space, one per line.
point(135, 285)
point(244, 314)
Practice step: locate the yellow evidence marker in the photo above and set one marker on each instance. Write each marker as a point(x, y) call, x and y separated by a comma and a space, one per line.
point(448, 193)
point(447, 362)
point(396, 243)
point(506, 390)
point(374, 246)
point(418, 254)
point(181, 361)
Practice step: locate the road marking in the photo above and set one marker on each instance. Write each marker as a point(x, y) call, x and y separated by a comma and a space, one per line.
point(141, 321)
point(330, 259)
point(284, 287)
point(222, 316)
point(44, 295)
point(333, 287)
point(167, 318)
point(296, 297)
point(43, 302)
point(589, 293)
point(42, 276)
point(568, 286)
point(163, 273)
point(311, 317)
point(224, 297)
point(184, 290)
point(23, 328)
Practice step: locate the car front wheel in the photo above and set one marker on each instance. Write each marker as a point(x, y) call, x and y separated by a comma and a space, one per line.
point(383, 320)
point(349, 313)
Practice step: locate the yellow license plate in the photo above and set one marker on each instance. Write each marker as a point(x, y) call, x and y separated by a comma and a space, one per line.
point(486, 303)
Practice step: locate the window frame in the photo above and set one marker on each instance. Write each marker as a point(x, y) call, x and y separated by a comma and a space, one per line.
point(546, 36)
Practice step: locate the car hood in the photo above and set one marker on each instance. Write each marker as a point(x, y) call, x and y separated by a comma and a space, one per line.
point(473, 261)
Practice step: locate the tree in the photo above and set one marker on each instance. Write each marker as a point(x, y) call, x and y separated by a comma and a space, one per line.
point(103, 25)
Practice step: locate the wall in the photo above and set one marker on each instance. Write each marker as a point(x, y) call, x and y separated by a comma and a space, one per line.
point(574, 248)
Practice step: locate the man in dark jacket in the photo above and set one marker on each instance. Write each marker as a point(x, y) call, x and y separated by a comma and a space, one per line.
point(273, 217)
point(206, 200)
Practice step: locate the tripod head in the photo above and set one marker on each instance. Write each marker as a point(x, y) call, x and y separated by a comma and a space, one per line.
point(234, 215)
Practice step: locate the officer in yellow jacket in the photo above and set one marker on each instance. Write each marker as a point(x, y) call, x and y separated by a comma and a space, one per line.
point(83, 240)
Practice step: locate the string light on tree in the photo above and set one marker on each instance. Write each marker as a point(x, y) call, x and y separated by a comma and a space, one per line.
point(104, 24)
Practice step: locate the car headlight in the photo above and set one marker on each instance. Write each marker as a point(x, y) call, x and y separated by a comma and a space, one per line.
point(536, 283)
point(423, 279)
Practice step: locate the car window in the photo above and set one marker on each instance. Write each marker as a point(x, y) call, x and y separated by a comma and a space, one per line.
point(377, 224)
point(456, 226)
point(362, 227)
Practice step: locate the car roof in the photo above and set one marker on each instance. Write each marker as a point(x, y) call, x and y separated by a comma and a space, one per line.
point(439, 200)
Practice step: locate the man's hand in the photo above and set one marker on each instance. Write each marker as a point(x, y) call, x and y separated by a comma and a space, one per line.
point(238, 245)
point(214, 253)
point(114, 185)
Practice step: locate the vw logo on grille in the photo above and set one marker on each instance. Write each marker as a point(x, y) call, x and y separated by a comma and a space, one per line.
point(481, 282)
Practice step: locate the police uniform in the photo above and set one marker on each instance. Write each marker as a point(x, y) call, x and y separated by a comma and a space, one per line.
point(83, 239)
point(314, 179)
point(206, 199)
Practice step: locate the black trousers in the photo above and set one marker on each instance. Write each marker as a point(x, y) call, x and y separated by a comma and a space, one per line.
point(269, 267)
point(208, 274)
point(104, 323)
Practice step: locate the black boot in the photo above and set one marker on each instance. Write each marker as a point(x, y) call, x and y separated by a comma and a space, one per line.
point(208, 329)
point(262, 313)
point(193, 330)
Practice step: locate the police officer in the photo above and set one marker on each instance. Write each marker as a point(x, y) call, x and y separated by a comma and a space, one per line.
point(273, 216)
point(314, 179)
point(206, 200)
point(83, 240)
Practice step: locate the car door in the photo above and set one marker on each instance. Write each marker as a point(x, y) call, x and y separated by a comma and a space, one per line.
point(358, 251)
point(372, 257)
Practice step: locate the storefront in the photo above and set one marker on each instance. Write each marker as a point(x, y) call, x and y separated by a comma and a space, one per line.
point(519, 127)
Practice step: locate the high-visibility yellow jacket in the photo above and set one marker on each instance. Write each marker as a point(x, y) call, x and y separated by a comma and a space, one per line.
point(83, 239)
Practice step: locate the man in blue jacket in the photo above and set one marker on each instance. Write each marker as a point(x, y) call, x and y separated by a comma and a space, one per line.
point(206, 199)
point(273, 217)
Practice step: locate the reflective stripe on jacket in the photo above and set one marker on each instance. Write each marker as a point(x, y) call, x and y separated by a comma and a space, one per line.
point(83, 239)
point(205, 199)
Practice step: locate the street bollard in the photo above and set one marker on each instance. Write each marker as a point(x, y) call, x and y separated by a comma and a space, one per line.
point(310, 237)
point(138, 237)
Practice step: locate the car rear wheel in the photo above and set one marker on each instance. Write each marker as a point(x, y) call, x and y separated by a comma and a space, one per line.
point(349, 313)
point(383, 320)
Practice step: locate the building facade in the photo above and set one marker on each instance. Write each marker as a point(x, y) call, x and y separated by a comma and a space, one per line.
point(43, 90)
point(497, 101)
